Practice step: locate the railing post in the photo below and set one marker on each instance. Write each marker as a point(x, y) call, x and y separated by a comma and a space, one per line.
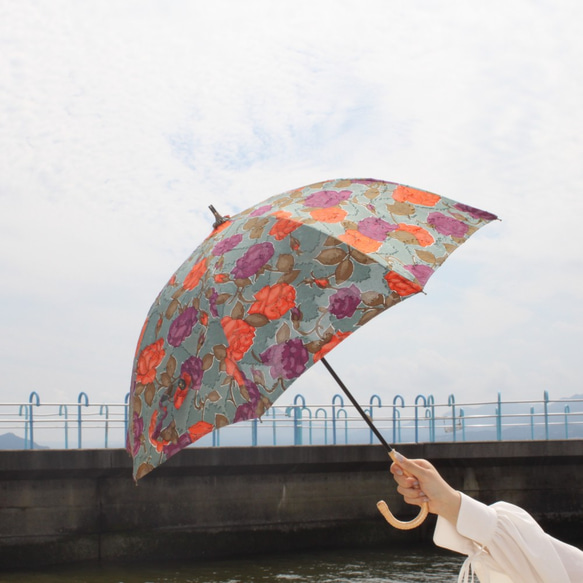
point(325, 422)
point(106, 409)
point(463, 422)
point(567, 411)
point(417, 398)
point(451, 403)
point(254, 432)
point(309, 424)
point(379, 405)
point(343, 412)
point(274, 427)
point(24, 410)
point(499, 419)
point(532, 423)
point(431, 410)
point(63, 411)
point(397, 417)
point(32, 397)
point(82, 397)
point(298, 434)
point(334, 399)
point(546, 406)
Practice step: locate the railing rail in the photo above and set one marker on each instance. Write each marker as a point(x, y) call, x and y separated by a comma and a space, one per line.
point(104, 424)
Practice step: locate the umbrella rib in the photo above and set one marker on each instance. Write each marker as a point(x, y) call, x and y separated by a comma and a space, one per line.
point(366, 418)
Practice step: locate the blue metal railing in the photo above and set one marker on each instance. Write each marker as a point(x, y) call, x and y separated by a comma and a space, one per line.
point(105, 424)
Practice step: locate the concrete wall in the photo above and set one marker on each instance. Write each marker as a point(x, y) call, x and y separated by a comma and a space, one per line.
point(71, 505)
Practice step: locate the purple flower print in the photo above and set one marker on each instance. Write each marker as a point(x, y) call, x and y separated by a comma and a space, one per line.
point(296, 314)
point(183, 441)
point(287, 360)
point(137, 430)
point(182, 326)
point(248, 410)
point(447, 225)
point(193, 368)
point(245, 412)
point(252, 390)
point(327, 198)
point(474, 212)
point(376, 228)
point(227, 244)
point(261, 210)
point(344, 302)
point(253, 260)
point(160, 421)
point(421, 272)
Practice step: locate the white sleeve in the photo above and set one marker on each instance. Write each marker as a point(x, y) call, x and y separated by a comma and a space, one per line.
point(506, 545)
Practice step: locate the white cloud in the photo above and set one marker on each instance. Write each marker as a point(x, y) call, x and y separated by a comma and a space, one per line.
point(119, 126)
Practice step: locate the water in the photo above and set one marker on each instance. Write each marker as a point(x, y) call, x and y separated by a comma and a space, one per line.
point(421, 564)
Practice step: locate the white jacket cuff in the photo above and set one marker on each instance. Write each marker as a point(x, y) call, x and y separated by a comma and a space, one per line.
point(476, 523)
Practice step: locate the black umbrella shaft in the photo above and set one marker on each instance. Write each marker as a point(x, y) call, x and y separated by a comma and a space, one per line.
point(357, 406)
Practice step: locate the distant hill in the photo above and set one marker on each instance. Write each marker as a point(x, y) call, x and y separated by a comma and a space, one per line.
point(11, 441)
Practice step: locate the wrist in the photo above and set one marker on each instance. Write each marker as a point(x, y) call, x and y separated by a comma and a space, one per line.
point(450, 506)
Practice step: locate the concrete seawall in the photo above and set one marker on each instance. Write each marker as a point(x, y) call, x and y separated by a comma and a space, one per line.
point(59, 506)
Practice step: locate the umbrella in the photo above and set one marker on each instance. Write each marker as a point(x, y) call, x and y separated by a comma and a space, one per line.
point(270, 292)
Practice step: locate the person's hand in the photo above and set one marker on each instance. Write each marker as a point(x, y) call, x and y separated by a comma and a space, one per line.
point(425, 484)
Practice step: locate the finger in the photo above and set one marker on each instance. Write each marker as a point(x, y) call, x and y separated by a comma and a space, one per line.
point(416, 501)
point(406, 482)
point(415, 494)
point(410, 492)
point(417, 468)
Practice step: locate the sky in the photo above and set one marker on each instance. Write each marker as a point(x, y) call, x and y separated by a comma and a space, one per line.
point(120, 122)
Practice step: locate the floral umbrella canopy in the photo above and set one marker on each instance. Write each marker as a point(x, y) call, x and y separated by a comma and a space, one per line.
point(272, 290)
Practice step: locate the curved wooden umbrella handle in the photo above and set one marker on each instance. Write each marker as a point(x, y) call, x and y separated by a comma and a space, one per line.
point(400, 524)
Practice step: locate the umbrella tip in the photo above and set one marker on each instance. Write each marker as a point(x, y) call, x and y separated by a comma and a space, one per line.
point(219, 219)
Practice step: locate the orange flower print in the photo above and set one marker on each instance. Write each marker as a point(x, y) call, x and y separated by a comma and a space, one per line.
point(204, 319)
point(283, 226)
point(414, 196)
point(220, 228)
point(149, 360)
point(333, 214)
point(274, 301)
point(233, 370)
point(239, 335)
point(334, 341)
point(424, 237)
point(401, 285)
point(199, 429)
point(179, 397)
point(359, 241)
point(221, 278)
point(195, 275)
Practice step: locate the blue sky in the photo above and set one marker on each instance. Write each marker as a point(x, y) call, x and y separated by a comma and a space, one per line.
point(121, 122)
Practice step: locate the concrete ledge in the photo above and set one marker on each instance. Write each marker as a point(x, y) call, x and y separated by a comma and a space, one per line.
point(68, 505)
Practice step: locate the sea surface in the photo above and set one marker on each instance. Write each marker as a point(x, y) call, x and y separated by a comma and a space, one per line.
point(404, 565)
